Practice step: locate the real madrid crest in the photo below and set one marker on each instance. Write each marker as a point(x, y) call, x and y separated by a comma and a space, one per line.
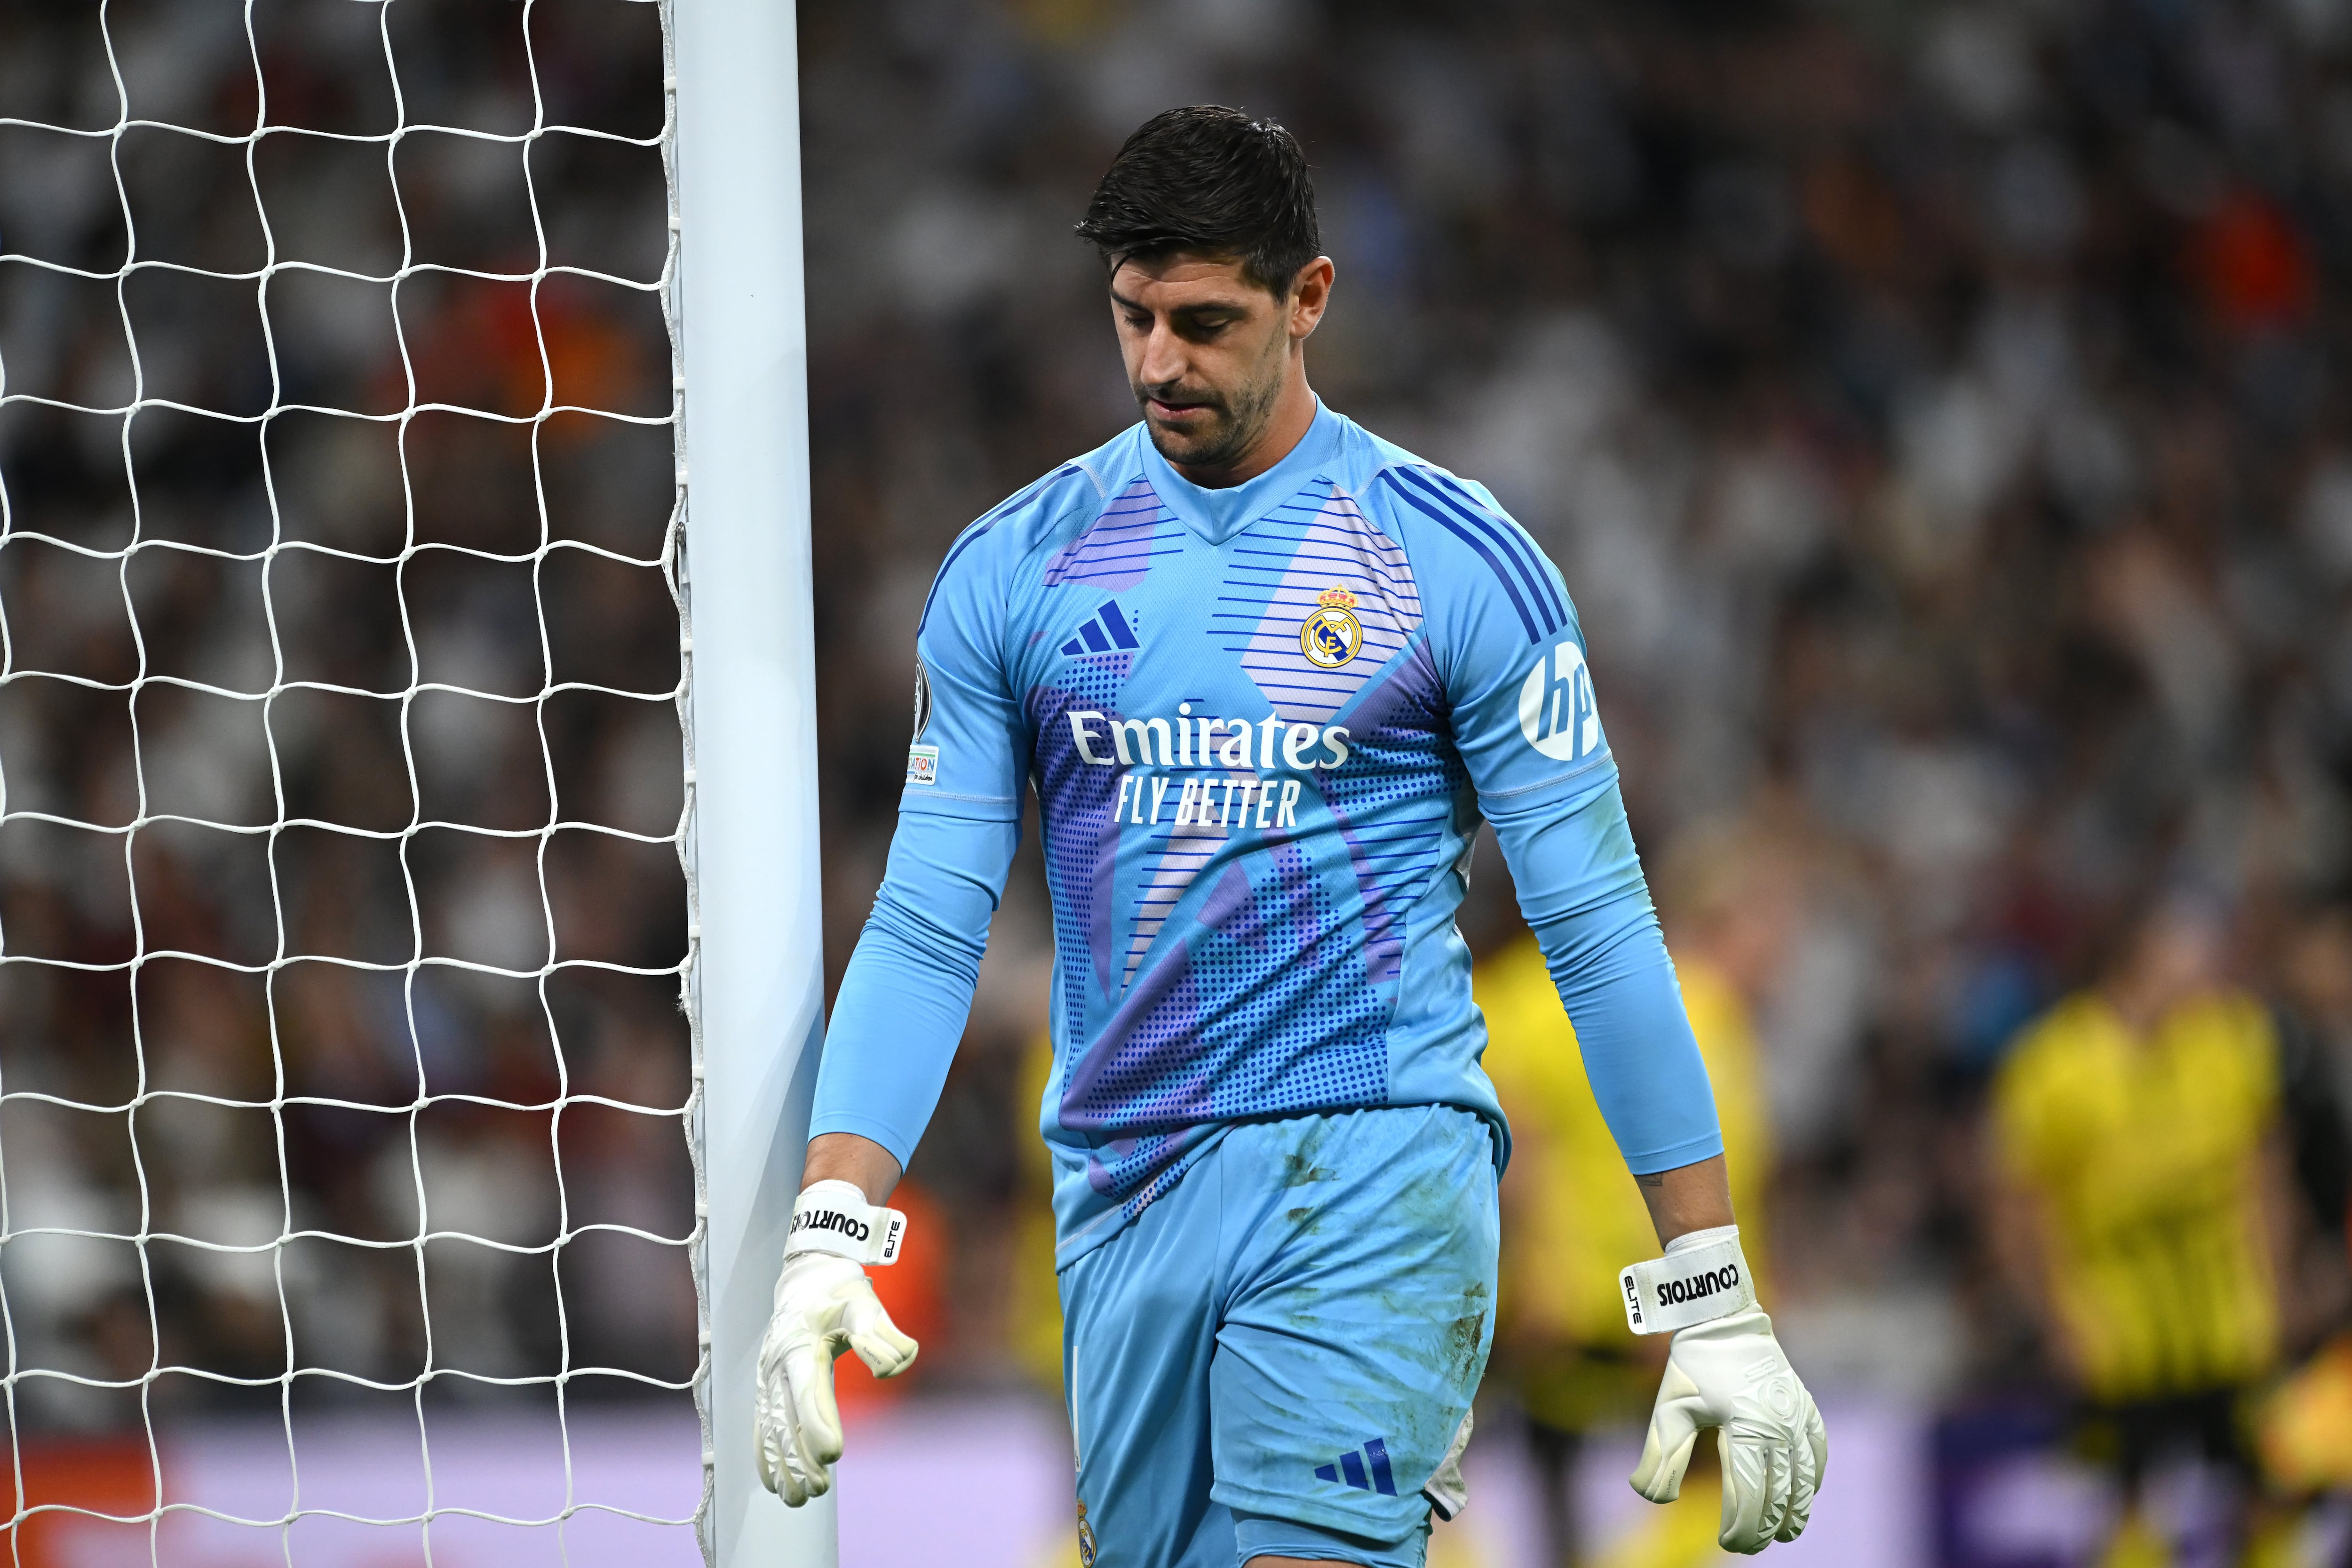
point(1085, 1540)
point(1331, 634)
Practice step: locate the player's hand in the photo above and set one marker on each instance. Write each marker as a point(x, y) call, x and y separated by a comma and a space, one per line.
point(1731, 1374)
point(824, 1305)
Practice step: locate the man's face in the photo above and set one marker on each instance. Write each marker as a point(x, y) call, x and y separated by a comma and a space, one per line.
point(1206, 351)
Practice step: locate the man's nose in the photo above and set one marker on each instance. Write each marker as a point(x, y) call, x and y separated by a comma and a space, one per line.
point(1163, 357)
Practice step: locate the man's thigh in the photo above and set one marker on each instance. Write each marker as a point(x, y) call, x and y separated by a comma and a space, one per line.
point(1139, 1315)
point(1357, 1317)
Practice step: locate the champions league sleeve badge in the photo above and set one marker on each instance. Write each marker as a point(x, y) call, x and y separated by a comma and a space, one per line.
point(922, 761)
point(1331, 634)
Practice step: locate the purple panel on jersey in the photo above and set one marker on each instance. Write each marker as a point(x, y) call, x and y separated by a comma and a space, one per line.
point(1077, 803)
point(1119, 546)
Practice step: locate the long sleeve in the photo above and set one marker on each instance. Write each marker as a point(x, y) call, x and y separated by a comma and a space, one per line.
point(1528, 728)
point(908, 990)
point(1582, 889)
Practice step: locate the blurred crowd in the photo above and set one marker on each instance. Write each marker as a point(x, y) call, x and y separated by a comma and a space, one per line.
point(218, 613)
point(1937, 411)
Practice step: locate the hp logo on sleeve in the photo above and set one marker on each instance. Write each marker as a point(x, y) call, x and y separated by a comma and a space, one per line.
point(1556, 707)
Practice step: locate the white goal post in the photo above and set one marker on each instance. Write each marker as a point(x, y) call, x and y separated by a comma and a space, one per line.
point(759, 978)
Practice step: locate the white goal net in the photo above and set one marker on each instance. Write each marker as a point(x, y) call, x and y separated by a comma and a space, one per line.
point(350, 1205)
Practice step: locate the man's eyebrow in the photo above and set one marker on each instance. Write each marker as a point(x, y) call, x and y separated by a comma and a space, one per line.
point(1239, 307)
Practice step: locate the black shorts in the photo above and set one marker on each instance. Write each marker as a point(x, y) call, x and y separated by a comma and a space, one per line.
point(2134, 1436)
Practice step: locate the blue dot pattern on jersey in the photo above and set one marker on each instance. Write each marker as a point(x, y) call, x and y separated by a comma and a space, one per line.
point(1119, 546)
point(1251, 1019)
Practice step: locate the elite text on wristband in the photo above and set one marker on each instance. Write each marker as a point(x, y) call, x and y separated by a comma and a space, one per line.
point(1703, 1277)
point(833, 1216)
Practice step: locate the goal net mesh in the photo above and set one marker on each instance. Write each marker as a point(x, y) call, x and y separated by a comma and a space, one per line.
point(349, 1200)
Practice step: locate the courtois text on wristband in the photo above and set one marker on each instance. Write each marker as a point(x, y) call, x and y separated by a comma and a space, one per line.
point(833, 1216)
point(1703, 1277)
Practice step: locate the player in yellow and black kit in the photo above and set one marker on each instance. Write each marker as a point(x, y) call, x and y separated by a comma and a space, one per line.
point(2134, 1126)
point(1568, 1207)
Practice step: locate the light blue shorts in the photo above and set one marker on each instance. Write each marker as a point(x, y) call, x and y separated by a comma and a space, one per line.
point(1274, 1358)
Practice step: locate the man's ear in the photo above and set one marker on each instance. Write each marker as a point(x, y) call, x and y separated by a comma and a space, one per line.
point(1310, 293)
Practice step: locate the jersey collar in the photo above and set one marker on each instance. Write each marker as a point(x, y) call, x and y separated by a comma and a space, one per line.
point(1217, 515)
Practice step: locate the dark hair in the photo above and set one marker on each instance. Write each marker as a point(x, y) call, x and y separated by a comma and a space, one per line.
point(1211, 180)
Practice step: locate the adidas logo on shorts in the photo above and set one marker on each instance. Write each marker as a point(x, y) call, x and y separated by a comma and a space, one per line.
point(1351, 1468)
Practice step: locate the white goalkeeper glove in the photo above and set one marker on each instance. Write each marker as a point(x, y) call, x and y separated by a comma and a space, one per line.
point(1726, 1371)
point(824, 1305)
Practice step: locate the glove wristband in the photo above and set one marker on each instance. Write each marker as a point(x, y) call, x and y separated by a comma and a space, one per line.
point(1703, 1277)
point(833, 1216)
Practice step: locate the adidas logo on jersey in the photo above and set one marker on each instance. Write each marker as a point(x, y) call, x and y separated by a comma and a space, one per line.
point(1351, 1468)
point(1102, 632)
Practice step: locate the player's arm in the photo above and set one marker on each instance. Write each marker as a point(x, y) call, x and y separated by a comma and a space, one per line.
point(1687, 1199)
point(1512, 658)
point(2021, 1233)
point(896, 1024)
point(1581, 888)
point(854, 1157)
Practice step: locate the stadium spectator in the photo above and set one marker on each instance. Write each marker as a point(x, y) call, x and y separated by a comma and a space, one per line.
point(2137, 1124)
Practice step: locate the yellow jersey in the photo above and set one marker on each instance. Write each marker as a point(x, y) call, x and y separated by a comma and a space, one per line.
point(1571, 1215)
point(1035, 1315)
point(2143, 1155)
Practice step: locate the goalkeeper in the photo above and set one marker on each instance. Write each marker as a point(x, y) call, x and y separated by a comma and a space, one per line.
point(1267, 672)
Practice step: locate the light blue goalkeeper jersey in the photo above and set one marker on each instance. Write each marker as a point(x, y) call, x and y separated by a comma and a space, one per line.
point(1263, 724)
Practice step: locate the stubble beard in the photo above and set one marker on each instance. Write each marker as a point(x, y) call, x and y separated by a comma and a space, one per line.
point(1242, 422)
